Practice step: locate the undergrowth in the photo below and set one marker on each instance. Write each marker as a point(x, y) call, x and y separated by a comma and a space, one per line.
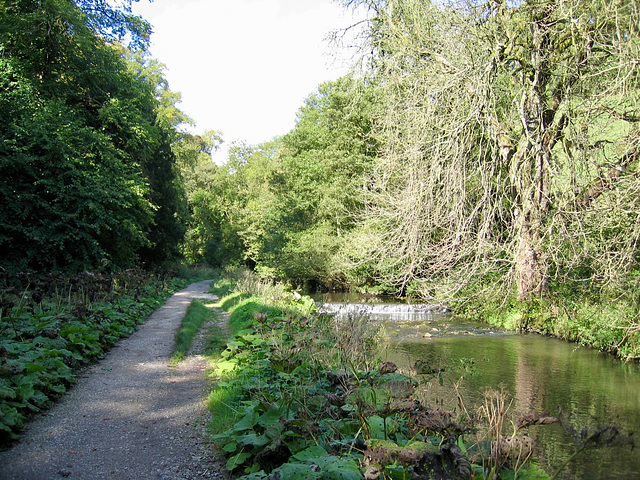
point(298, 395)
point(609, 325)
point(52, 325)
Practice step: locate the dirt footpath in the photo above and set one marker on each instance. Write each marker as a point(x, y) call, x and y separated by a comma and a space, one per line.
point(131, 416)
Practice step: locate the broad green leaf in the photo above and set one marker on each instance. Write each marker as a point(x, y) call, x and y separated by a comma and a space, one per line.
point(270, 416)
point(5, 390)
point(255, 476)
point(225, 366)
point(247, 422)
point(376, 424)
point(310, 453)
point(253, 440)
point(237, 460)
point(34, 367)
point(298, 471)
point(336, 468)
point(230, 447)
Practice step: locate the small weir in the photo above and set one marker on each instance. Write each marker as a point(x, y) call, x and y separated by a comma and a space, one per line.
point(387, 311)
point(407, 321)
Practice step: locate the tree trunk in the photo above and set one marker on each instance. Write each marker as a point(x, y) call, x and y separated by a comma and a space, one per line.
point(531, 271)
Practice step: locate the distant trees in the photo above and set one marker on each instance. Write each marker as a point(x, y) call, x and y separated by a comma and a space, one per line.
point(488, 145)
point(287, 207)
point(319, 184)
point(211, 236)
point(86, 166)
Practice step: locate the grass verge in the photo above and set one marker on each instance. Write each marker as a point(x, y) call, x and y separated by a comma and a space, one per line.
point(196, 316)
point(611, 326)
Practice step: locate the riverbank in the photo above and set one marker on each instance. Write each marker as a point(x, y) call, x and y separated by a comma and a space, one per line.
point(297, 395)
point(610, 325)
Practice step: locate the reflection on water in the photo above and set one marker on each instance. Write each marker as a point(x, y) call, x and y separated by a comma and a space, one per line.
point(540, 373)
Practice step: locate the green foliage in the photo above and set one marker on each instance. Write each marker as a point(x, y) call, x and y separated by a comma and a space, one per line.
point(221, 287)
point(594, 320)
point(194, 273)
point(86, 170)
point(116, 23)
point(196, 316)
point(52, 326)
point(212, 235)
point(510, 157)
point(532, 472)
point(297, 403)
point(285, 207)
point(322, 168)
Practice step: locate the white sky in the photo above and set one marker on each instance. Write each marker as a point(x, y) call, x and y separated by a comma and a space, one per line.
point(244, 67)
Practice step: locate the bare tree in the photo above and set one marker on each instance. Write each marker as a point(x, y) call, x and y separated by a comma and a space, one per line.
point(511, 133)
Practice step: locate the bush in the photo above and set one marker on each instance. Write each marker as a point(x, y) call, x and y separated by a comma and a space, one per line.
point(299, 395)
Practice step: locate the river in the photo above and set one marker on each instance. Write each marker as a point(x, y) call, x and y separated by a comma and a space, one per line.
point(540, 374)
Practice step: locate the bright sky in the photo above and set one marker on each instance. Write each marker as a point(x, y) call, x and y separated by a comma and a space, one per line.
point(244, 67)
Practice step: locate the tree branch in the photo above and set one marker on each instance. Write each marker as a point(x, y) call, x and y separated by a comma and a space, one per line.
point(605, 182)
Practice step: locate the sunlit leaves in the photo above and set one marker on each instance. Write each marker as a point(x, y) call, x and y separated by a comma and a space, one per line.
point(86, 168)
point(44, 338)
point(508, 135)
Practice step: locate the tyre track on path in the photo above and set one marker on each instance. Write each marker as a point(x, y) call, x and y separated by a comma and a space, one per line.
point(131, 416)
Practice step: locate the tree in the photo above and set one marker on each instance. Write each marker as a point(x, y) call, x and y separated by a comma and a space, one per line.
point(286, 207)
point(211, 235)
point(161, 118)
point(511, 143)
point(250, 208)
point(319, 182)
point(83, 165)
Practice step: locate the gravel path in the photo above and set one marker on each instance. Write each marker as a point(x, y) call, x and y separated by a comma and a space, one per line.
point(131, 416)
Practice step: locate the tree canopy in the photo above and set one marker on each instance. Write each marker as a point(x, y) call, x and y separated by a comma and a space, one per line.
point(486, 147)
point(86, 167)
point(510, 144)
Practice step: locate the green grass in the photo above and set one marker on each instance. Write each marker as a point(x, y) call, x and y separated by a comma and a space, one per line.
point(241, 315)
point(197, 314)
point(221, 403)
point(196, 273)
point(221, 287)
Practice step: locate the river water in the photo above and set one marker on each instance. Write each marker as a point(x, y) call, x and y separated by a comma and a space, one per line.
point(540, 374)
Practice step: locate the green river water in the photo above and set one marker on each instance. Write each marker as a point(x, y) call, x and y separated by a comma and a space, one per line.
point(541, 374)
